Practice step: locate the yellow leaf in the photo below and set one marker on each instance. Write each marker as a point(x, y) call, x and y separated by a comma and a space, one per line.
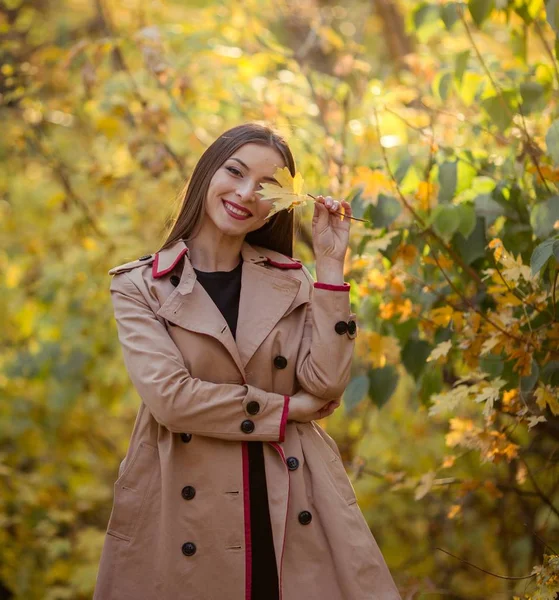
point(440, 351)
point(453, 511)
point(442, 316)
point(14, 274)
point(287, 194)
point(546, 397)
point(427, 195)
point(372, 182)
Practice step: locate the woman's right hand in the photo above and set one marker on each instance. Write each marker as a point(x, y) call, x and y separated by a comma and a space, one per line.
point(304, 407)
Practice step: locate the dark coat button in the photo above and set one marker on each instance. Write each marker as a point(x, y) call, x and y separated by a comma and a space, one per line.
point(175, 280)
point(186, 437)
point(188, 492)
point(247, 426)
point(341, 327)
point(292, 463)
point(188, 548)
point(280, 362)
point(253, 407)
point(351, 327)
point(146, 257)
point(305, 517)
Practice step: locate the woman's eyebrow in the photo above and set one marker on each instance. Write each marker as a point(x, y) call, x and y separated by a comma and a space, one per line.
point(248, 169)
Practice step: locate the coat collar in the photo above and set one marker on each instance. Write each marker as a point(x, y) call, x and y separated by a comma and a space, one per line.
point(166, 260)
point(267, 292)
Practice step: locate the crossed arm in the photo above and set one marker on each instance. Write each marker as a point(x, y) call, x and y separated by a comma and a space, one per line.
point(157, 370)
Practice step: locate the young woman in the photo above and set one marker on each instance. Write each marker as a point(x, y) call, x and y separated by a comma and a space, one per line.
point(229, 490)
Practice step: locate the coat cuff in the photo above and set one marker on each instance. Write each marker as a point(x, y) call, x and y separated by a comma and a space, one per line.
point(333, 288)
point(284, 418)
point(265, 414)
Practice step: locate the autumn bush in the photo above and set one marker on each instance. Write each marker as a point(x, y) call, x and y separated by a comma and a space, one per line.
point(437, 119)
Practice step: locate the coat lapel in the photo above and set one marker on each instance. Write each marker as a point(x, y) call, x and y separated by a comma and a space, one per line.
point(266, 294)
point(190, 307)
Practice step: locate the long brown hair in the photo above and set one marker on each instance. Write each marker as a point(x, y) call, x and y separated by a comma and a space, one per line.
point(277, 233)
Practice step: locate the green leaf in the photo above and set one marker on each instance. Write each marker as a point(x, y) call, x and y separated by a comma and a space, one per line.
point(488, 208)
point(541, 255)
point(552, 141)
point(532, 94)
point(424, 14)
point(355, 392)
point(500, 108)
point(552, 13)
point(382, 383)
point(385, 212)
point(543, 217)
point(431, 383)
point(467, 216)
point(447, 181)
point(472, 247)
point(460, 64)
point(528, 382)
point(446, 220)
point(480, 10)
point(449, 14)
point(550, 373)
point(442, 85)
point(492, 364)
point(519, 43)
point(414, 356)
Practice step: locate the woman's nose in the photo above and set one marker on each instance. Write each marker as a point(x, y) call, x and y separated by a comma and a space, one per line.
point(246, 192)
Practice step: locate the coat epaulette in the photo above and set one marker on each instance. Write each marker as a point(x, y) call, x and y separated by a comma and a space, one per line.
point(140, 262)
point(286, 263)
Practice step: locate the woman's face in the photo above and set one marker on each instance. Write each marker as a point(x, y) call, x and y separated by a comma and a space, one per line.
point(233, 204)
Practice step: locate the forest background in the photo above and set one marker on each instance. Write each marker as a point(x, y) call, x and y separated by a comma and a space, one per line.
point(436, 118)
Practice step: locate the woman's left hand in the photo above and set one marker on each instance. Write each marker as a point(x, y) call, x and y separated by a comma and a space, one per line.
point(330, 234)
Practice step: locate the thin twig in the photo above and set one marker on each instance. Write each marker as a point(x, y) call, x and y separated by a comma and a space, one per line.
point(547, 48)
point(540, 492)
point(484, 570)
point(426, 229)
point(553, 296)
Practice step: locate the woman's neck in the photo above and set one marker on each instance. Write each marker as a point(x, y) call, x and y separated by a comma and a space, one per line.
point(213, 251)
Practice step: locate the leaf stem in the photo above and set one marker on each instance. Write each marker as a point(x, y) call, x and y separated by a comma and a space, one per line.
point(337, 212)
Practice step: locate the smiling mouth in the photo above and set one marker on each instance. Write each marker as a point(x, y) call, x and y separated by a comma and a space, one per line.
point(236, 211)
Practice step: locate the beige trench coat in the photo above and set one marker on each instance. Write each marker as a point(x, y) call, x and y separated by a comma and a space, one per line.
point(180, 524)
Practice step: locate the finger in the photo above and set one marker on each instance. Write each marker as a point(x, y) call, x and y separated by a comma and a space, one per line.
point(320, 217)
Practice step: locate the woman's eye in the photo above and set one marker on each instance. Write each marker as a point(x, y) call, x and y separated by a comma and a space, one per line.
point(234, 171)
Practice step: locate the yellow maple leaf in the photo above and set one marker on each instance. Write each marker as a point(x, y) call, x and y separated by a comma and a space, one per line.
point(440, 351)
point(545, 396)
point(288, 193)
point(372, 181)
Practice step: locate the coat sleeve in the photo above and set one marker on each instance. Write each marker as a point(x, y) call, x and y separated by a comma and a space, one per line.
point(324, 359)
point(177, 400)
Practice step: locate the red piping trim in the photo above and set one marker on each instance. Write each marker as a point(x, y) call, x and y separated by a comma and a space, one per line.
point(280, 577)
point(155, 267)
point(248, 542)
point(284, 418)
point(293, 265)
point(334, 288)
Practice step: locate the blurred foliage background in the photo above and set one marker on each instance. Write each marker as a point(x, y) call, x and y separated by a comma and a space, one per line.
point(436, 118)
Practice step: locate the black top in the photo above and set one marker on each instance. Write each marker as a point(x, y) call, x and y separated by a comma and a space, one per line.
point(224, 288)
